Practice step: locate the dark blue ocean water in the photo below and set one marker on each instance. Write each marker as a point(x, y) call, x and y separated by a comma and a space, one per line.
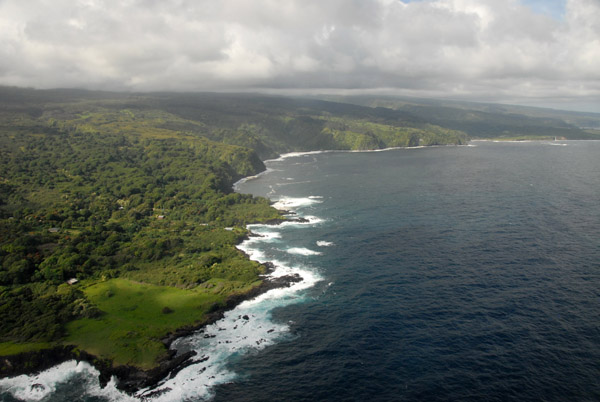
point(458, 273)
point(433, 274)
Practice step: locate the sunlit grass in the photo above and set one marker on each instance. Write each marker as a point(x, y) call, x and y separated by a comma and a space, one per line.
point(137, 316)
point(12, 348)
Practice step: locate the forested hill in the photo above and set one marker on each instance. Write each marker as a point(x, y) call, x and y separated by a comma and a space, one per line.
point(486, 120)
point(131, 195)
point(268, 124)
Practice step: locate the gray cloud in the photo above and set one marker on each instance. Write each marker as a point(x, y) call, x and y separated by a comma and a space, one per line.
point(479, 49)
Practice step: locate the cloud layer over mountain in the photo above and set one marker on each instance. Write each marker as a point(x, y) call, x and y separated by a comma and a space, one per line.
point(479, 49)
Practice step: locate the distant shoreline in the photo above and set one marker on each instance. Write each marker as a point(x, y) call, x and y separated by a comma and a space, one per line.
point(130, 378)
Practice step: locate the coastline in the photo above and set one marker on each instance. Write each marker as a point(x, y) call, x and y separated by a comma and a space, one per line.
point(131, 379)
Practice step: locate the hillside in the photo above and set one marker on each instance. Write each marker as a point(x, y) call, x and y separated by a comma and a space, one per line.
point(131, 195)
point(485, 120)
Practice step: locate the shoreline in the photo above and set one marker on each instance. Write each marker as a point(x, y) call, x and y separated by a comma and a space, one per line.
point(325, 151)
point(130, 378)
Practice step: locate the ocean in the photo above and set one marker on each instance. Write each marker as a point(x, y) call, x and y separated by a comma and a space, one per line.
point(430, 274)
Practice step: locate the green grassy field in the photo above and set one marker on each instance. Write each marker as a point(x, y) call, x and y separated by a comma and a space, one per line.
point(132, 196)
point(136, 316)
point(11, 348)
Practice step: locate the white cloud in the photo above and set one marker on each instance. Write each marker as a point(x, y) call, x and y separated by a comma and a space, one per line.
point(478, 48)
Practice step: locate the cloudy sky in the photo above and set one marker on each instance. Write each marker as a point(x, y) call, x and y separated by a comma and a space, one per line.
point(535, 52)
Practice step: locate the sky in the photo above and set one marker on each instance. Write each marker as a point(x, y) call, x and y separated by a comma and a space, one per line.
point(530, 52)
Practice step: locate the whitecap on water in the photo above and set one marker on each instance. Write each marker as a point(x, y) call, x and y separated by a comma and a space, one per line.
point(323, 243)
point(293, 155)
point(294, 202)
point(310, 220)
point(43, 385)
point(302, 251)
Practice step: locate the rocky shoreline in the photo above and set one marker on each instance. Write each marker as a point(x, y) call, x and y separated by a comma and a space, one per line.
point(130, 378)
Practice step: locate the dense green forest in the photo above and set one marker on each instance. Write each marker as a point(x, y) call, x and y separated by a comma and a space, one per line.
point(489, 121)
point(131, 195)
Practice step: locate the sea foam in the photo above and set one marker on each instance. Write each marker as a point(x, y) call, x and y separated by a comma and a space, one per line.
point(295, 202)
point(43, 385)
point(248, 327)
point(323, 243)
point(302, 251)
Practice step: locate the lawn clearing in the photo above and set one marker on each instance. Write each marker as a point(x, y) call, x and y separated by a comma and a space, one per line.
point(12, 348)
point(136, 316)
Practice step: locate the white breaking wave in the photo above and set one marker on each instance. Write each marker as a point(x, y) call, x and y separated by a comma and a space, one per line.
point(297, 154)
point(291, 202)
point(293, 155)
point(265, 237)
point(248, 327)
point(323, 243)
point(43, 385)
point(302, 251)
point(248, 178)
point(310, 220)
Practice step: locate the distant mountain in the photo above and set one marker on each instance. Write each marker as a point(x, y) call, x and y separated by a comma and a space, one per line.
point(269, 125)
point(111, 197)
point(487, 120)
point(108, 196)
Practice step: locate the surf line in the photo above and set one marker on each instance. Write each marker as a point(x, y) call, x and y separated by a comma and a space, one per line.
point(247, 327)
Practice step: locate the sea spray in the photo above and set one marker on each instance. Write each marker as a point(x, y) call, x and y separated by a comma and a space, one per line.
point(323, 243)
point(249, 326)
point(296, 202)
point(57, 383)
point(302, 251)
point(246, 328)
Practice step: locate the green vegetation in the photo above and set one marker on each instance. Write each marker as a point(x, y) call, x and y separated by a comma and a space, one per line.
point(484, 120)
point(11, 348)
point(528, 138)
point(132, 196)
point(594, 133)
point(137, 315)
